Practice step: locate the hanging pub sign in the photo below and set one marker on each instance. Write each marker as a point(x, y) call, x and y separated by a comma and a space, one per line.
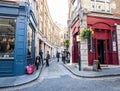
point(78, 39)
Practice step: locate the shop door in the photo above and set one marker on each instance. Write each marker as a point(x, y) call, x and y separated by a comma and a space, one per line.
point(100, 51)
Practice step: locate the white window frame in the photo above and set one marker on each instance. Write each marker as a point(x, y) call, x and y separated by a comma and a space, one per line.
point(105, 2)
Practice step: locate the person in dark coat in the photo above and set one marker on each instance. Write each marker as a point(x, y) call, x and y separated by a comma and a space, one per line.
point(41, 56)
point(47, 59)
point(37, 61)
point(58, 56)
point(67, 56)
point(63, 57)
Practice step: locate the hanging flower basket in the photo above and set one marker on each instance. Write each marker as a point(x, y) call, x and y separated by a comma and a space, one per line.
point(87, 33)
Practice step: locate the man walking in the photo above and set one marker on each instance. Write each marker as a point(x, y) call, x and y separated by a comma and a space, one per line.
point(63, 57)
point(41, 56)
point(47, 59)
point(57, 55)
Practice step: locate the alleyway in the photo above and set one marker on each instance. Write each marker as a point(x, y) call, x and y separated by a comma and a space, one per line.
point(57, 78)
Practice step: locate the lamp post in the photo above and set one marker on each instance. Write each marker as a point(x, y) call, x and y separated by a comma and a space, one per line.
point(78, 39)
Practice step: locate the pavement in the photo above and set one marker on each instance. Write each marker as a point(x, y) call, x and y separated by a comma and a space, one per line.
point(19, 80)
point(87, 71)
point(105, 71)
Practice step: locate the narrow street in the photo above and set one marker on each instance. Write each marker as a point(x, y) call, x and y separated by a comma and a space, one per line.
point(57, 78)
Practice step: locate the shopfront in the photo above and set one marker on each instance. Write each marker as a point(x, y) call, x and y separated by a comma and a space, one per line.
point(75, 44)
point(103, 46)
point(17, 38)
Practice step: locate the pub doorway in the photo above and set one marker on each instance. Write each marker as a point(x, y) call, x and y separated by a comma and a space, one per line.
point(101, 51)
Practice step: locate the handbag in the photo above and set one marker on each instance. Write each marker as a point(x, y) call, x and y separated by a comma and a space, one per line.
point(30, 69)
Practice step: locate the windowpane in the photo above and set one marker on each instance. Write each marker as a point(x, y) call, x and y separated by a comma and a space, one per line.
point(29, 38)
point(107, 7)
point(7, 37)
point(100, 5)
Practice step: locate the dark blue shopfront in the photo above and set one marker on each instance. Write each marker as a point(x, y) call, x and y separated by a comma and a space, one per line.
point(17, 38)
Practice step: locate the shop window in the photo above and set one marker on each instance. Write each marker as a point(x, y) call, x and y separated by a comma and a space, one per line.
point(7, 37)
point(29, 38)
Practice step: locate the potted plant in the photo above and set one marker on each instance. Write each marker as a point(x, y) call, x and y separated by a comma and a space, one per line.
point(67, 43)
point(87, 33)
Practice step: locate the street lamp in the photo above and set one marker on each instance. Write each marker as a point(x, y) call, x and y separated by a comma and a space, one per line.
point(78, 36)
point(78, 39)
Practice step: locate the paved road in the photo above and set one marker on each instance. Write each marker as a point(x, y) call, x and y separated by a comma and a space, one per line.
point(57, 78)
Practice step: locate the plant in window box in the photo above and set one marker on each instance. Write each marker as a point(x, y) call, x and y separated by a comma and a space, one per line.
point(86, 33)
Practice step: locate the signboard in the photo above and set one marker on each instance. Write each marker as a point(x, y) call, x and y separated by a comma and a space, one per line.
point(11, 1)
point(78, 39)
point(96, 65)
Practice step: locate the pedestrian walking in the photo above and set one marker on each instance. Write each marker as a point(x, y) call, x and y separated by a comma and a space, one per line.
point(37, 62)
point(58, 56)
point(63, 57)
point(41, 56)
point(47, 59)
point(67, 56)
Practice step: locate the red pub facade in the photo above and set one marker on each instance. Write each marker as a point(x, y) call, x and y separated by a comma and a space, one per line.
point(105, 43)
point(104, 46)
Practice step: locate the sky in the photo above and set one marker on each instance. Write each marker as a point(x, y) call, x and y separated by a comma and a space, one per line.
point(58, 10)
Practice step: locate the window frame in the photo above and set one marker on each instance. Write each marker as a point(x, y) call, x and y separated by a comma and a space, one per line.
point(10, 54)
point(94, 6)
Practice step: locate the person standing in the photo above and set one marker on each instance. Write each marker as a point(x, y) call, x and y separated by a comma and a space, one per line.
point(57, 55)
point(41, 56)
point(47, 59)
point(67, 56)
point(63, 57)
point(37, 62)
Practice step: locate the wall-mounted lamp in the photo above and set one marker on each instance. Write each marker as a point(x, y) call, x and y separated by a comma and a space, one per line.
point(78, 39)
point(115, 24)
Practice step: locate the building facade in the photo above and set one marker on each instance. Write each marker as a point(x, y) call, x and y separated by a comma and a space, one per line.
point(59, 35)
point(26, 27)
point(103, 17)
point(17, 38)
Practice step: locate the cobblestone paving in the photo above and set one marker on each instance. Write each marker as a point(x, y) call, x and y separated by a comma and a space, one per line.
point(57, 78)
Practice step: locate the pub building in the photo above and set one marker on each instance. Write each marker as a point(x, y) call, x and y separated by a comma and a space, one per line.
point(17, 38)
point(104, 44)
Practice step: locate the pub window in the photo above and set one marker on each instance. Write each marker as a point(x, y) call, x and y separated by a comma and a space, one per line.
point(101, 5)
point(7, 37)
point(114, 40)
point(108, 45)
point(89, 45)
point(94, 45)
